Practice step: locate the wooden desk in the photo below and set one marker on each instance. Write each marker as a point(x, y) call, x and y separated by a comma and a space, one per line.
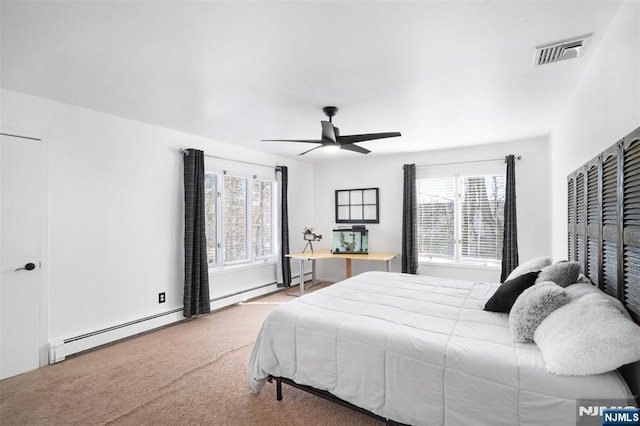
point(324, 253)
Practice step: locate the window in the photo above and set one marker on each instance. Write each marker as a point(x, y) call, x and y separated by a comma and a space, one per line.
point(234, 214)
point(239, 218)
point(262, 219)
point(211, 211)
point(461, 218)
point(436, 217)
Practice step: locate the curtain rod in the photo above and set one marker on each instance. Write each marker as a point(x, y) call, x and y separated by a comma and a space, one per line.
point(21, 137)
point(184, 151)
point(518, 157)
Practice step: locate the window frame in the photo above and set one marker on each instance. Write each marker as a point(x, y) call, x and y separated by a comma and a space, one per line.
point(247, 222)
point(479, 260)
point(458, 173)
point(435, 257)
point(274, 215)
point(219, 263)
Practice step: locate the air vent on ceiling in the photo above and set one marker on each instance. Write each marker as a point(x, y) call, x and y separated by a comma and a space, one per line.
point(560, 50)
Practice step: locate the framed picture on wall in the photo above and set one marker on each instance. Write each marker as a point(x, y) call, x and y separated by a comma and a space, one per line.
point(357, 205)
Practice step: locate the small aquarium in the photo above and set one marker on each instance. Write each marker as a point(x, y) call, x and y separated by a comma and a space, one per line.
point(350, 240)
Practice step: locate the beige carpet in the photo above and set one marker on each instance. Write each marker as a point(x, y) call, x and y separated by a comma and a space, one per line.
point(192, 373)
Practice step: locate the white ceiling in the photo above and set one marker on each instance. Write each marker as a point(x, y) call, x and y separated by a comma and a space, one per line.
point(443, 73)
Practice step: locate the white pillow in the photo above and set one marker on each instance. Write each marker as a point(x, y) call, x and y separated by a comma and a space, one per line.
point(587, 336)
point(532, 307)
point(530, 266)
point(577, 290)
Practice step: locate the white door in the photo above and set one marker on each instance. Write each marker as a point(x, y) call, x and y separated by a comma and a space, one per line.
point(20, 244)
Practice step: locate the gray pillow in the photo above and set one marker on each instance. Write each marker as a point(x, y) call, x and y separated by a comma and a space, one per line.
point(561, 273)
point(532, 307)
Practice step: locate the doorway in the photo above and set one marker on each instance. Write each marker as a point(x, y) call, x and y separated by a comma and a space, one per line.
point(21, 243)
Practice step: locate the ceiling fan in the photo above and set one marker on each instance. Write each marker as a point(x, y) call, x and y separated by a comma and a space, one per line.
point(331, 136)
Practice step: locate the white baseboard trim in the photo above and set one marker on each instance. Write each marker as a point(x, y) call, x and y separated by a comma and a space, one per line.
point(243, 297)
point(59, 349)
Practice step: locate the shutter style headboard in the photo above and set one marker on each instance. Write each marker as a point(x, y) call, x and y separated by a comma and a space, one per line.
point(604, 221)
point(604, 228)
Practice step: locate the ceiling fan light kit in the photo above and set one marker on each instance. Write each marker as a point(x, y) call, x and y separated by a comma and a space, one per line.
point(330, 149)
point(331, 139)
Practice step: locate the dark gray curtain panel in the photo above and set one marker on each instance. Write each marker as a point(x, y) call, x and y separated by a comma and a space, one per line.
point(196, 268)
point(409, 221)
point(284, 262)
point(510, 236)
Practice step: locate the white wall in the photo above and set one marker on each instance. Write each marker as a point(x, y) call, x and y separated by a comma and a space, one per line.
point(386, 173)
point(115, 195)
point(116, 212)
point(604, 107)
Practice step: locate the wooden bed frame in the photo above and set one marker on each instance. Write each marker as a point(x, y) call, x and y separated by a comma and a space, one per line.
point(603, 235)
point(604, 227)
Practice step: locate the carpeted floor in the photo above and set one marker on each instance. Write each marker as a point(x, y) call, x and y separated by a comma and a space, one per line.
point(192, 373)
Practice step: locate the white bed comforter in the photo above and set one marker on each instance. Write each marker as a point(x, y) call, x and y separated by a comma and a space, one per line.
point(418, 350)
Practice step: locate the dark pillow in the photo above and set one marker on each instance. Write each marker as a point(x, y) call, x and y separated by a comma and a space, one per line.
point(506, 295)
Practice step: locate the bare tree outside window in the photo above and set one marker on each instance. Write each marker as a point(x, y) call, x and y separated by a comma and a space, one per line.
point(262, 218)
point(211, 213)
point(235, 218)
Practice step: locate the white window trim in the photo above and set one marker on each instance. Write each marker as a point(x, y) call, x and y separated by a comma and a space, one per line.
point(447, 263)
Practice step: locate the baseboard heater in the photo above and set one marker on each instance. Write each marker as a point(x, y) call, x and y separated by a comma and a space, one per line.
point(62, 348)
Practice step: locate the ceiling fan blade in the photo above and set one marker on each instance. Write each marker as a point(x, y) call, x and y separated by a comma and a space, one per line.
point(354, 148)
point(303, 153)
point(292, 140)
point(328, 131)
point(346, 139)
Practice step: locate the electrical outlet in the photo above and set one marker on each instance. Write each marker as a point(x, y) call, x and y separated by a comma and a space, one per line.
point(161, 297)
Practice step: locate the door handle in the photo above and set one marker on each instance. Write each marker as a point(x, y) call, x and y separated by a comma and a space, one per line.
point(27, 267)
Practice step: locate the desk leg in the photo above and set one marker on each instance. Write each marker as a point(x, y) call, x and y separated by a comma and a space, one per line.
point(348, 268)
point(313, 273)
point(387, 265)
point(301, 291)
point(301, 277)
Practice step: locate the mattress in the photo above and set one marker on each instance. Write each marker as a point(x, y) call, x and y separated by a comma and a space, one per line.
point(418, 350)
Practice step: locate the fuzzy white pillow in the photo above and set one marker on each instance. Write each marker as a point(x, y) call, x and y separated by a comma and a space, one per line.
point(577, 290)
point(587, 336)
point(530, 266)
point(532, 307)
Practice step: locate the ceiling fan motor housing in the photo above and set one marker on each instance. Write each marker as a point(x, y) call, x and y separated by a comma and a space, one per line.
point(330, 111)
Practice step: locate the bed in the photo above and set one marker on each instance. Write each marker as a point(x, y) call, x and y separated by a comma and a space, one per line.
point(414, 349)
point(418, 350)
